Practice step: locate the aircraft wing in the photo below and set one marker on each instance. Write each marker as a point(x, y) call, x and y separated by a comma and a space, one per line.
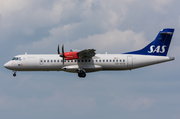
point(87, 53)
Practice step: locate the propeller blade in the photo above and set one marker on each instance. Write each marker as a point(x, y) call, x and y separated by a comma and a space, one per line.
point(63, 60)
point(63, 49)
point(63, 53)
point(58, 50)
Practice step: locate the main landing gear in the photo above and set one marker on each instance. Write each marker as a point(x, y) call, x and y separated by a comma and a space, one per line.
point(14, 73)
point(81, 73)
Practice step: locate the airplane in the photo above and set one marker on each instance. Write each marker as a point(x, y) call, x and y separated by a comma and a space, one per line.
point(85, 61)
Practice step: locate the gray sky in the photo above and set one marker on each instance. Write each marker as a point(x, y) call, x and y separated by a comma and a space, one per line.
point(113, 26)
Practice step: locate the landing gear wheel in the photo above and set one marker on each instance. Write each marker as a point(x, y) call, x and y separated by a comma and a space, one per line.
point(14, 74)
point(81, 74)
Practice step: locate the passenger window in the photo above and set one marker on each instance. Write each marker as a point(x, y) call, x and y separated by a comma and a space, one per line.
point(82, 60)
point(106, 60)
point(41, 61)
point(113, 60)
point(51, 60)
point(92, 60)
point(89, 60)
point(96, 60)
point(116, 60)
point(123, 60)
point(54, 60)
point(103, 60)
point(44, 60)
point(71, 60)
point(120, 60)
point(57, 60)
point(78, 60)
point(85, 60)
point(47, 60)
point(109, 60)
point(74, 60)
point(99, 60)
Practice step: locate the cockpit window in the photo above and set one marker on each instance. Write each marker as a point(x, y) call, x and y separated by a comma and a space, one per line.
point(20, 59)
point(16, 58)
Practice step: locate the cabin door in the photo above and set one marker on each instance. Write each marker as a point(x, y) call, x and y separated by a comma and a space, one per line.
point(130, 61)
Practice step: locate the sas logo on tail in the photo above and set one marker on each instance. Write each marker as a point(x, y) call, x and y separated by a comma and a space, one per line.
point(158, 49)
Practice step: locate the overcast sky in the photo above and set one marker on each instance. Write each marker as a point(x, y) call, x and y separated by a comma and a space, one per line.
point(113, 26)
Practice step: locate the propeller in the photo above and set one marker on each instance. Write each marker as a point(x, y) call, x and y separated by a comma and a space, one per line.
point(62, 51)
point(58, 50)
point(61, 55)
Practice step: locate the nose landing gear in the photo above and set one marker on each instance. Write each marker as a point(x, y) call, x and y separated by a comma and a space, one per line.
point(14, 73)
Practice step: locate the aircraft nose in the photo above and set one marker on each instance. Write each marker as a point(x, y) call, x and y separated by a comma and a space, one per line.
point(6, 65)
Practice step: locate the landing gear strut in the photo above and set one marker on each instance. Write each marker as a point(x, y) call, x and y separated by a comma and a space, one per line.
point(14, 73)
point(81, 73)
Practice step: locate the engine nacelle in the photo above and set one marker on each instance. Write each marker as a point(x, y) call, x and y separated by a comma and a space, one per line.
point(71, 55)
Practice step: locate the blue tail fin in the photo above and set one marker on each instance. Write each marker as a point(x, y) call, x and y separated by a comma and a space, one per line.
point(158, 47)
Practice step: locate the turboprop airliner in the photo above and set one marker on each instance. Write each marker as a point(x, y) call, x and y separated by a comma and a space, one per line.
point(85, 61)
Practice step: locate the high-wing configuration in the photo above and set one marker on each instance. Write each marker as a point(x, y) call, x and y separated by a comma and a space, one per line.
point(87, 53)
point(85, 61)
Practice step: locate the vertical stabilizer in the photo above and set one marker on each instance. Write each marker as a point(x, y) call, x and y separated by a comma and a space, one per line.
point(158, 47)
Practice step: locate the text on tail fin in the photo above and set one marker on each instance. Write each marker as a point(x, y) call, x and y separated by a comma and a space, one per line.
point(159, 46)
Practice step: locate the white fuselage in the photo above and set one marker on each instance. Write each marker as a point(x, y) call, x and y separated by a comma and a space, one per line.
point(97, 63)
